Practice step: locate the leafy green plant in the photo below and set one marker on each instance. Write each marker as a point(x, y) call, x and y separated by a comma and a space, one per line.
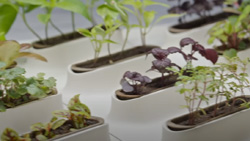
point(74, 6)
point(146, 19)
point(111, 22)
point(11, 50)
point(232, 32)
point(223, 80)
point(16, 89)
point(98, 37)
point(10, 10)
point(11, 135)
point(77, 113)
point(124, 18)
point(44, 131)
point(7, 17)
point(63, 121)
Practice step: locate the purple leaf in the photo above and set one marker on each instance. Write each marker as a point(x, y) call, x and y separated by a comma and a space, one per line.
point(174, 50)
point(159, 53)
point(146, 79)
point(126, 87)
point(186, 41)
point(132, 75)
point(161, 65)
point(197, 47)
point(211, 55)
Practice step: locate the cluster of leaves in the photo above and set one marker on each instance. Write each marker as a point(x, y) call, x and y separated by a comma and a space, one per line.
point(98, 37)
point(201, 8)
point(134, 82)
point(11, 50)
point(77, 113)
point(162, 61)
point(146, 18)
point(16, 89)
point(232, 32)
point(205, 83)
point(11, 8)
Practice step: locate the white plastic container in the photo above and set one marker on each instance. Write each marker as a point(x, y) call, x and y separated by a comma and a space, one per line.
point(22, 117)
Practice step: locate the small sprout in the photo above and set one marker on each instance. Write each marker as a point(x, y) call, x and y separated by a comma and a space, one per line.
point(133, 82)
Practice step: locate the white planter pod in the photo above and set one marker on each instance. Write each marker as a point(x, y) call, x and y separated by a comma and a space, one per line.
point(233, 127)
point(62, 55)
point(97, 132)
point(141, 118)
point(21, 117)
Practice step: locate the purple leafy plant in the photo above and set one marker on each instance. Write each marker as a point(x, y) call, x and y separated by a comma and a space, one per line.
point(134, 82)
point(209, 54)
point(162, 62)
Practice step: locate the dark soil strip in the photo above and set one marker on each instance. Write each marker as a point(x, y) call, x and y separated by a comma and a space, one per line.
point(223, 110)
point(56, 40)
point(202, 21)
point(103, 61)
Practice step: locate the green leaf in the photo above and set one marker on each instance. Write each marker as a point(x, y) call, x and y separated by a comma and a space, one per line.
point(37, 126)
point(41, 137)
point(242, 45)
point(168, 16)
point(29, 8)
point(35, 91)
point(9, 50)
point(105, 10)
point(230, 53)
point(61, 113)
point(76, 6)
point(58, 124)
point(150, 3)
point(7, 18)
point(50, 82)
point(44, 18)
point(148, 17)
point(109, 41)
point(100, 31)
point(2, 107)
point(84, 32)
point(13, 94)
point(2, 36)
point(9, 135)
point(35, 2)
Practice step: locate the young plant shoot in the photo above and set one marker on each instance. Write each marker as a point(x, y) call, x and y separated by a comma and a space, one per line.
point(146, 19)
point(225, 80)
point(134, 82)
point(162, 61)
point(98, 37)
point(233, 32)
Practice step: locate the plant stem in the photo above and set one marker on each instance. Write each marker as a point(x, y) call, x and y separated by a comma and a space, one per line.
point(53, 25)
point(46, 31)
point(73, 23)
point(126, 39)
point(110, 55)
point(28, 26)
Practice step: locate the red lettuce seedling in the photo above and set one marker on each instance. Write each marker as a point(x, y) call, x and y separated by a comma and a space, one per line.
point(209, 54)
point(133, 82)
